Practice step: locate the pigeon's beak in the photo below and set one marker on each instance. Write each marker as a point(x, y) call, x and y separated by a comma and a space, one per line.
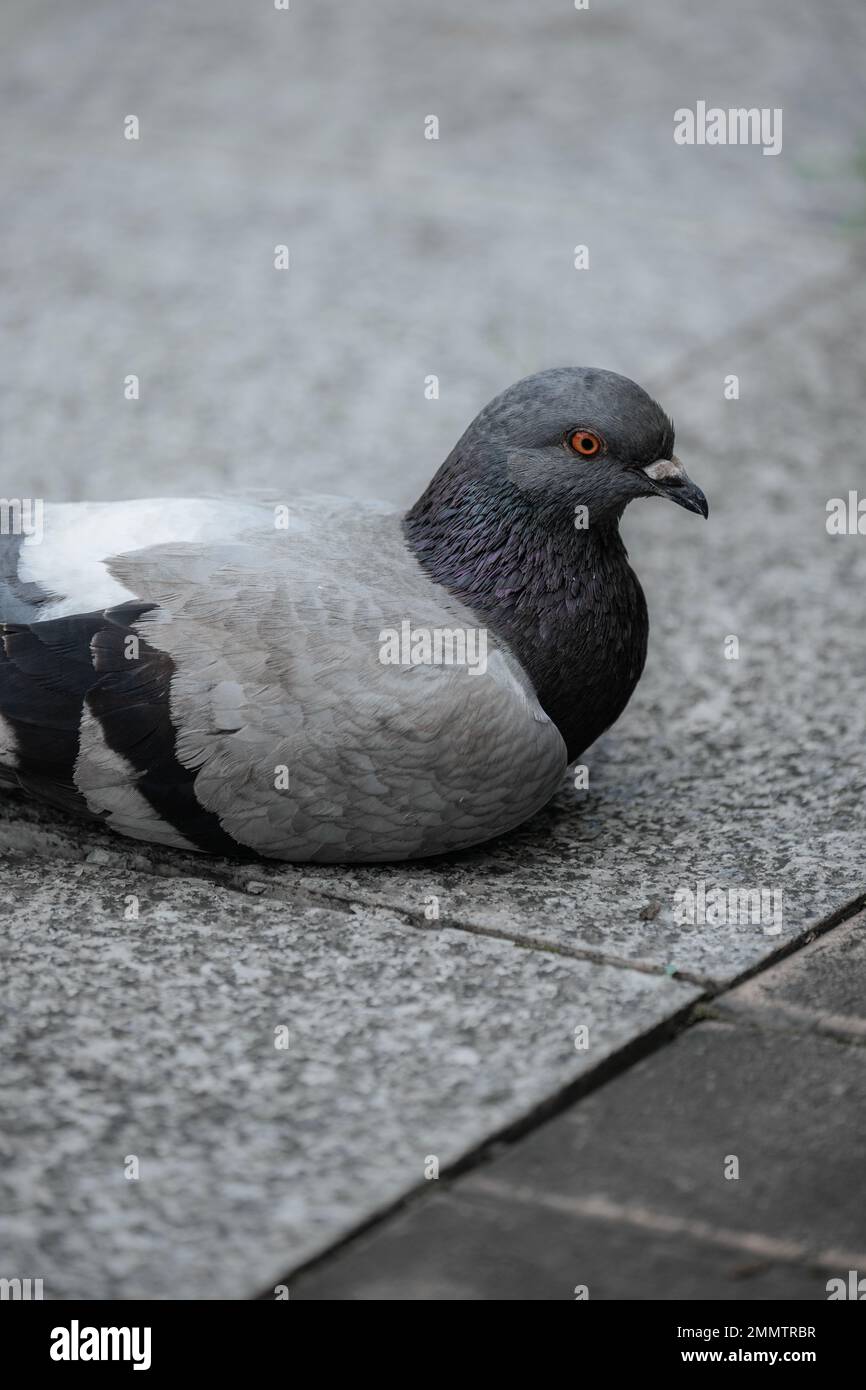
point(671, 480)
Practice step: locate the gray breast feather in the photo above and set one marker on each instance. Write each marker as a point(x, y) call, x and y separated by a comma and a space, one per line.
point(307, 745)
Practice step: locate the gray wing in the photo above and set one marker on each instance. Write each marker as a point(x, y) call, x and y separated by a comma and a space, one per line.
point(298, 738)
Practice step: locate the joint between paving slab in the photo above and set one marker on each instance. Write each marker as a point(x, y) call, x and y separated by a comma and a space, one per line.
point(797, 943)
point(601, 1208)
point(226, 874)
point(229, 878)
point(522, 942)
point(708, 984)
point(776, 1018)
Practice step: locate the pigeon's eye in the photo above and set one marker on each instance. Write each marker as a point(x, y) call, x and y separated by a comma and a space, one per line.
point(585, 443)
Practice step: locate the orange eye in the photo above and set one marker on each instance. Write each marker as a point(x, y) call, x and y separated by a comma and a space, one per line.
point(585, 443)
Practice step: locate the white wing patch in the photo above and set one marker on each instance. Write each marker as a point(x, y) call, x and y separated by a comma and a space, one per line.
point(78, 537)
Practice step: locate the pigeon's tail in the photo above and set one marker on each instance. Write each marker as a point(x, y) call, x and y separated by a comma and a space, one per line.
point(84, 705)
point(45, 674)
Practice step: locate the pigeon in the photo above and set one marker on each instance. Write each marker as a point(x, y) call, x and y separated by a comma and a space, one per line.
point(334, 681)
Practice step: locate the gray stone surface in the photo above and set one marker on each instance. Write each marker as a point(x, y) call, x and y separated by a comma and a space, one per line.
point(155, 1037)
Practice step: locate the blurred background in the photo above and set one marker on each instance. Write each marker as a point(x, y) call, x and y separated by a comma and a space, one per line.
point(409, 256)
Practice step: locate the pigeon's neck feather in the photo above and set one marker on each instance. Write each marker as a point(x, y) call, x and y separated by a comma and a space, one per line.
point(566, 601)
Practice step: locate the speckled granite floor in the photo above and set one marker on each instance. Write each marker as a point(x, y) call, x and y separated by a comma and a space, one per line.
point(153, 1036)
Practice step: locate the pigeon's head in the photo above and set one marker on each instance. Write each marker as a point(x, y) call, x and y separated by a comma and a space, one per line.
point(578, 435)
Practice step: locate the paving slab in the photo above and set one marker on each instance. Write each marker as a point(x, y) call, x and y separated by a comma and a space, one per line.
point(660, 1137)
point(819, 988)
point(155, 1041)
point(721, 1166)
point(491, 1247)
